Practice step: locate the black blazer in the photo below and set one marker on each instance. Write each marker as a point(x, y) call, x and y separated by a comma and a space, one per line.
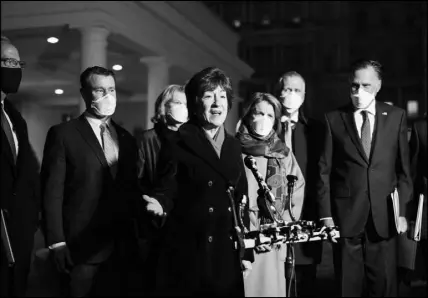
point(352, 185)
point(149, 146)
point(19, 191)
point(198, 254)
point(82, 204)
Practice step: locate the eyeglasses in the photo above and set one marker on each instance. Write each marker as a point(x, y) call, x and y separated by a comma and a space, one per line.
point(12, 63)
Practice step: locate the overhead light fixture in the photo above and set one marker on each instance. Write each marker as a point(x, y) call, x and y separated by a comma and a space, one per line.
point(59, 91)
point(117, 67)
point(236, 23)
point(53, 40)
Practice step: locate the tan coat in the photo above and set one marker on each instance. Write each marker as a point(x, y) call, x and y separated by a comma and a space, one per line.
point(267, 276)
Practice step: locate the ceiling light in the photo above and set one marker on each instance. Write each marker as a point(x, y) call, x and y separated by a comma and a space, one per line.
point(117, 67)
point(53, 40)
point(237, 23)
point(59, 91)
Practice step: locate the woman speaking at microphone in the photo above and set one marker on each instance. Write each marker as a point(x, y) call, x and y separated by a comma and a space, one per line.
point(199, 255)
point(258, 134)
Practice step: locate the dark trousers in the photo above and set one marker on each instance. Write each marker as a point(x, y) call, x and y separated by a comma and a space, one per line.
point(111, 278)
point(366, 262)
point(305, 280)
point(13, 281)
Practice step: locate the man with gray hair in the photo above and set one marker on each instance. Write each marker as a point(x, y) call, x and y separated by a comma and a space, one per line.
point(303, 136)
point(19, 198)
point(365, 157)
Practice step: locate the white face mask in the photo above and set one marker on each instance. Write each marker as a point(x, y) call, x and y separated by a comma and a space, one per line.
point(292, 102)
point(104, 106)
point(262, 126)
point(178, 112)
point(362, 99)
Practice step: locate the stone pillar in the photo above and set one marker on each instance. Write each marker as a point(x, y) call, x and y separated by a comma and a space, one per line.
point(93, 51)
point(157, 81)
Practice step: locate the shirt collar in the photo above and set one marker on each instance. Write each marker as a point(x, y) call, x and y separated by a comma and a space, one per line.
point(371, 109)
point(294, 118)
point(95, 121)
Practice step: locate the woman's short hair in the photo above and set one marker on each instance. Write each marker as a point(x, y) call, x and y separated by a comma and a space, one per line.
point(207, 79)
point(162, 100)
point(259, 97)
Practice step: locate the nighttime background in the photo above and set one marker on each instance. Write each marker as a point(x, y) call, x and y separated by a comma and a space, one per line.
point(157, 43)
point(320, 39)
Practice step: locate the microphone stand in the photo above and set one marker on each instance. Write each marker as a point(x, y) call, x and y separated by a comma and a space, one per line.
point(289, 264)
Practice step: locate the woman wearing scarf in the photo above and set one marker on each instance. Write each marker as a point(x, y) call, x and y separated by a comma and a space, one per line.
point(198, 255)
point(258, 134)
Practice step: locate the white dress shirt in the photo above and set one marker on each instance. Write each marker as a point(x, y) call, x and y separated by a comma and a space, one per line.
point(15, 137)
point(371, 109)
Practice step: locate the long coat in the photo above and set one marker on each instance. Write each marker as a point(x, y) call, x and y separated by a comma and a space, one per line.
point(19, 197)
point(307, 138)
point(198, 255)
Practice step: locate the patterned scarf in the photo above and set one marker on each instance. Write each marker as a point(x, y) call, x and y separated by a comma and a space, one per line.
point(272, 148)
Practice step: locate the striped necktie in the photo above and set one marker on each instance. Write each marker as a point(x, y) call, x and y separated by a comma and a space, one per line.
point(109, 147)
point(8, 132)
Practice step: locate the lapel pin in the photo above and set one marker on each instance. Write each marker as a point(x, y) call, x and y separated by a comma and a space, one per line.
point(384, 113)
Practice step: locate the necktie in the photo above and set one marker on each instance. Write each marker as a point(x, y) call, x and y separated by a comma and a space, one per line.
point(288, 133)
point(8, 131)
point(365, 134)
point(109, 148)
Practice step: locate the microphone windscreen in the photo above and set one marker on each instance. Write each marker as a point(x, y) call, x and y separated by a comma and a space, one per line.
point(250, 162)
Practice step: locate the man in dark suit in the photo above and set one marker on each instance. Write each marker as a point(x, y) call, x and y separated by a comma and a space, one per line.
point(305, 139)
point(89, 185)
point(19, 198)
point(365, 157)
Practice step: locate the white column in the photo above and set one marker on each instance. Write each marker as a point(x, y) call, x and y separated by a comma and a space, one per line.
point(93, 51)
point(157, 81)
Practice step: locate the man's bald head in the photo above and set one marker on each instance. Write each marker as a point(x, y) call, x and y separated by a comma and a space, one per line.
point(8, 50)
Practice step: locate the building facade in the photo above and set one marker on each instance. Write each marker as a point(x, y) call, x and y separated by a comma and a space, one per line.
point(156, 43)
point(320, 39)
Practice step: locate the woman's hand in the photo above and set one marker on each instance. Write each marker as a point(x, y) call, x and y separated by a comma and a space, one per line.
point(153, 205)
point(263, 248)
point(247, 268)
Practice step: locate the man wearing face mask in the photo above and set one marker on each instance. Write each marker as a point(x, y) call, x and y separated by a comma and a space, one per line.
point(365, 157)
point(19, 197)
point(303, 136)
point(90, 186)
point(170, 114)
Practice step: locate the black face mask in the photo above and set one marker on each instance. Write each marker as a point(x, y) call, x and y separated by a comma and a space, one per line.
point(10, 79)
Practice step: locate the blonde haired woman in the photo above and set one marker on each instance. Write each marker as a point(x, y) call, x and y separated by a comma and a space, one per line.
point(170, 114)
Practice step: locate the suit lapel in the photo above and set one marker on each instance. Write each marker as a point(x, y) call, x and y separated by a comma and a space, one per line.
point(196, 141)
point(121, 143)
point(349, 121)
point(7, 151)
point(88, 135)
point(380, 126)
point(10, 111)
